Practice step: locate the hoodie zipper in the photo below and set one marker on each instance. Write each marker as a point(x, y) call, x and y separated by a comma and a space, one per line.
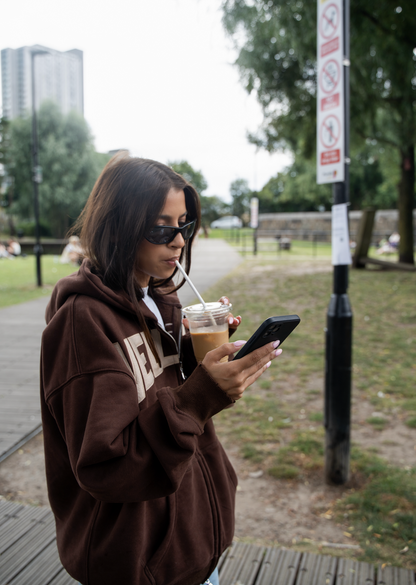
point(181, 375)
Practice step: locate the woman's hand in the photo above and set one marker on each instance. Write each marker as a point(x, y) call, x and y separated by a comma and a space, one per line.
point(233, 322)
point(235, 376)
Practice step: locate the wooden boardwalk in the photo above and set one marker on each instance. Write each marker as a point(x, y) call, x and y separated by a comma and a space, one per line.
point(21, 328)
point(28, 556)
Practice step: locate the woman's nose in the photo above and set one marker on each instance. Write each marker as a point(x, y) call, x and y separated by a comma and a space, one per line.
point(178, 241)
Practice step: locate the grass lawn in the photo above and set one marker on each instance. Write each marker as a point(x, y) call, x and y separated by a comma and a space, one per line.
point(18, 278)
point(278, 423)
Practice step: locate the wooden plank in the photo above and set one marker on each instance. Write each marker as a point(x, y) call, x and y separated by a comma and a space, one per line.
point(8, 510)
point(63, 578)
point(19, 526)
point(317, 570)
point(26, 550)
point(351, 572)
point(394, 576)
point(279, 567)
point(44, 567)
point(242, 564)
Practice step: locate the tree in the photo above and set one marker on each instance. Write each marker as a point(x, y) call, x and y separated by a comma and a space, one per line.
point(212, 207)
point(69, 162)
point(277, 59)
point(196, 178)
point(241, 194)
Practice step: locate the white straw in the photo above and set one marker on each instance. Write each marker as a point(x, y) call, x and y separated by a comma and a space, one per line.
point(191, 284)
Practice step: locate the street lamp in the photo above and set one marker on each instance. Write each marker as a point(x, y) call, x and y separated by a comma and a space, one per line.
point(36, 170)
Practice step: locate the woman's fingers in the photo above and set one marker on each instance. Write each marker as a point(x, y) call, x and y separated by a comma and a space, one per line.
point(255, 360)
point(224, 300)
point(235, 376)
point(234, 322)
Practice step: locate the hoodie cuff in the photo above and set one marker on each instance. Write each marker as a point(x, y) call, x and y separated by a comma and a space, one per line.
point(201, 397)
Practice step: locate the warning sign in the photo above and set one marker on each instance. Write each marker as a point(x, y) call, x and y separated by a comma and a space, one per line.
point(329, 20)
point(330, 103)
point(330, 76)
point(329, 131)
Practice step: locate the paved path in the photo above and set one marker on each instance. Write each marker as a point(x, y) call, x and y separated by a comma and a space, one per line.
point(21, 328)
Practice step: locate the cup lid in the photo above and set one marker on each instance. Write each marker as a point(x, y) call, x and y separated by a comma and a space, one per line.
point(210, 307)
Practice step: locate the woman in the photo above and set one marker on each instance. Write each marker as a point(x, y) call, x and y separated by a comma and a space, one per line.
point(140, 486)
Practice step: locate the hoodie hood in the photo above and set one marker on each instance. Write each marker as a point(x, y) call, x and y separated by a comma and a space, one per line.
point(85, 282)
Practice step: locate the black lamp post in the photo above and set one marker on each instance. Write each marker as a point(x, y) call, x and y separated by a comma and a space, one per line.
point(338, 358)
point(36, 170)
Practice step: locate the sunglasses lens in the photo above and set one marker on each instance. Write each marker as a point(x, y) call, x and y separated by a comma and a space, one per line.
point(188, 230)
point(161, 234)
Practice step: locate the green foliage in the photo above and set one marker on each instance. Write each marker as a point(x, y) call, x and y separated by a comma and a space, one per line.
point(276, 43)
point(383, 516)
point(378, 422)
point(196, 178)
point(69, 163)
point(277, 58)
point(411, 422)
point(212, 207)
point(4, 140)
point(241, 194)
point(284, 471)
point(28, 229)
point(295, 190)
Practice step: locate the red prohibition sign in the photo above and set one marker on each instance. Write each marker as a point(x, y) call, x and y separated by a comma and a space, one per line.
point(330, 131)
point(330, 74)
point(329, 21)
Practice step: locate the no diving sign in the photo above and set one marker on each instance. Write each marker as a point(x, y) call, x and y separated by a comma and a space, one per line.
point(330, 102)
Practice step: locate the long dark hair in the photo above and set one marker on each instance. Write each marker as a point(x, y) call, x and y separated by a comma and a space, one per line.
point(126, 200)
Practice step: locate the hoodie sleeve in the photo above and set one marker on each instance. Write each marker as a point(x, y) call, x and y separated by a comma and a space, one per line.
point(119, 453)
point(120, 450)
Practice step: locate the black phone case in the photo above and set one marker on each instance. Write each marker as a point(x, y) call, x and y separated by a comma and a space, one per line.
point(270, 330)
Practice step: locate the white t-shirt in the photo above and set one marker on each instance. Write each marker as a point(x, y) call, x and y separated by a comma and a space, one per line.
point(152, 306)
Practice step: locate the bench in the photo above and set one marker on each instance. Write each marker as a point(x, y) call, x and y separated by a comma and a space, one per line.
point(28, 556)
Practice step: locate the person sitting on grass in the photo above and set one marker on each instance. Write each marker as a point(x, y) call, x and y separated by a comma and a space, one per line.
point(14, 248)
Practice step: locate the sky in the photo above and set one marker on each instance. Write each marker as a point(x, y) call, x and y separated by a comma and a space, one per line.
point(159, 80)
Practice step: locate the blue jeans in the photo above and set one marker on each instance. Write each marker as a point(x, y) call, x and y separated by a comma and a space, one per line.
point(214, 579)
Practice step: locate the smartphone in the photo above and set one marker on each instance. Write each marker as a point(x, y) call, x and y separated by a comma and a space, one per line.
point(270, 330)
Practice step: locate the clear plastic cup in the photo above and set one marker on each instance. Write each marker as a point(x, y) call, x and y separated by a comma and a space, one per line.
point(208, 327)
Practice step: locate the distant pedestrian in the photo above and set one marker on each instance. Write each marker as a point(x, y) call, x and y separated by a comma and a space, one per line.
point(72, 253)
point(14, 248)
point(142, 490)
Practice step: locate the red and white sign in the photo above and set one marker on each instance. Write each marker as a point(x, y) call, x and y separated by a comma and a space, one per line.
point(330, 99)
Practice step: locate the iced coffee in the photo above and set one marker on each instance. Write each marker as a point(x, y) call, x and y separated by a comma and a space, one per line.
point(208, 326)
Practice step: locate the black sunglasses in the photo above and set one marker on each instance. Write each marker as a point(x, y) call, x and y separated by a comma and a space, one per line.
point(164, 234)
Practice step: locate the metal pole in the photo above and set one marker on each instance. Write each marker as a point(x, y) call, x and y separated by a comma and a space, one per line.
point(338, 357)
point(36, 175)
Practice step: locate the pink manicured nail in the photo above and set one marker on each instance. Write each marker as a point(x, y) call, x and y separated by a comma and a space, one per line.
point(268, 364)
point(239, 343)
point(230, 320)
point(276, 343)
point(278, 352)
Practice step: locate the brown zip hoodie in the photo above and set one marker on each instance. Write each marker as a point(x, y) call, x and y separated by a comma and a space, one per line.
point(141, 489)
